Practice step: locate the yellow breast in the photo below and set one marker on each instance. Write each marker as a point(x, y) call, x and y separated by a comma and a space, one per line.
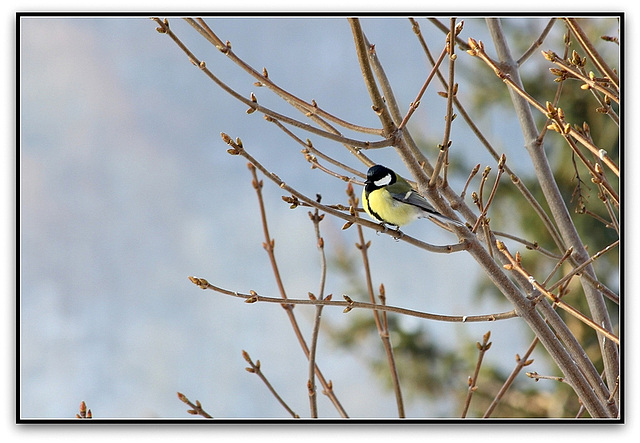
point(382, 207)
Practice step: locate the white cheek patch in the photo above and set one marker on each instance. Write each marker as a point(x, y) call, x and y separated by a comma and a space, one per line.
point(384, 181)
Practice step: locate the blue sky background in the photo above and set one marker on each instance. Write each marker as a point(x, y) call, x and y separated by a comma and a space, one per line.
point(126, 190)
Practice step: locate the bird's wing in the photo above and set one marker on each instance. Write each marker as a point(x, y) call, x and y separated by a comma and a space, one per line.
point(411, 197)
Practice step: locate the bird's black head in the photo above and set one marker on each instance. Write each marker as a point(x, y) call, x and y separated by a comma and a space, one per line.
point(379, 176)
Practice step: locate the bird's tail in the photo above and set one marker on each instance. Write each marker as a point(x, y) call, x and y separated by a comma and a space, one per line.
point(437, 217)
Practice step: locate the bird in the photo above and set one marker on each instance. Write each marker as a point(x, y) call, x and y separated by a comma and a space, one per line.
point(390, 199)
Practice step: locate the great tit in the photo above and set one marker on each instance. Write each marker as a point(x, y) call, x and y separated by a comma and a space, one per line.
point(390, 199)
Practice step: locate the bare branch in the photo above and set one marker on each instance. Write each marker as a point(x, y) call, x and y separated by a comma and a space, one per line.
point(482, 348)
point(591, 50)
point(349, 304)
point(515, 264)
point(538, 42)
point(383, 330)
point(254, 368)
point(237, 149)
point(521, 363)
point(196, 408)
point(316, 218)
point(269, 247)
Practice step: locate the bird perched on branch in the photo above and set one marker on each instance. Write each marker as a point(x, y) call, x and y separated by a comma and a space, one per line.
point(390, 199)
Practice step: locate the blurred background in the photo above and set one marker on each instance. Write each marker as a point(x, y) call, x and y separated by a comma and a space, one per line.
point(126, 189)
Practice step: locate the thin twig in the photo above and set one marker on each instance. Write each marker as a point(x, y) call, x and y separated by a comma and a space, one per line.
point(556, 97)
point(515, 265)
point(597, 285)
point(461, 43)
point(254, 106)
point(540, 212)
point(414, 104)
point(421, 158)
point(591, 50)
point(255, 369)
point(316, 218)
point(538, 377)
point(472, 174)
point(605, 197)
point(238, 149)
point(482, 348)
point(349, 304)
point(294, 202)
point(196, 408)
point(263, 80)
point(514, 178)
point(269, 245)
point(485, 208)
point(555, 200)
point(383, 331)
point(483, 182)
point(578, 269)
point(569, 71)
point(537, 43)
point(477, 49)
point(559, 263)
point(309, 149)
point(452, 90)
point(606, 108)
point(594, 169)
point(534, 246)
point(520, 363)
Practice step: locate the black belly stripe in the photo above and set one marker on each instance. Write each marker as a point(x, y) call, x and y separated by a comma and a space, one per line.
point(372, 212)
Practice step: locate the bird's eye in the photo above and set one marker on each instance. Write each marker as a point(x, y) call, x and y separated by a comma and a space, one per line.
point(384, 181)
